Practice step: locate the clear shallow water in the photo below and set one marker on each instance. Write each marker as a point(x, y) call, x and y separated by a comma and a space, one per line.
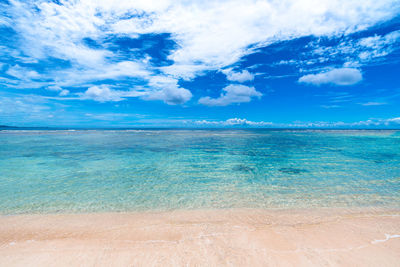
point(85, 171)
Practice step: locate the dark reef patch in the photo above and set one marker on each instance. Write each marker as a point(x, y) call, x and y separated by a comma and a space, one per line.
point(292, 170)
point(242, 168)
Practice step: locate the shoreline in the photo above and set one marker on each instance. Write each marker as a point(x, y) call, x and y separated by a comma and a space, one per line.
point(301, 237)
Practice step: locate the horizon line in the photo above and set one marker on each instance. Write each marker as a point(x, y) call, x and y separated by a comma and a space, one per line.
point(239, 127)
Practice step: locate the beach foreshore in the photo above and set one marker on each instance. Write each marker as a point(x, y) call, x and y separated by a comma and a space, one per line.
point(239, 237)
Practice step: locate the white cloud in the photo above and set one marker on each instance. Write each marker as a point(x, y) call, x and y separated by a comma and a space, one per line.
point(22, 73)
point(242, 122)
point(166, 88)
point(373, 103)
point(330, 106)
point(214, 34)
point(370, 123)
point(342, 76)
point(356, 52)
point(234, 93)
point(24, 104)
point(233, 122)
point(113, 117)
point(379, 41)
point(102, 94)
point(82, 75)
point(210, 35)
point(56, 88)
point(17, 109)
point(64, 92)
point(238, 76)
point(286, 62)
point(377, 46)
point(394, 120)
point(237, 121)
point(171, 95)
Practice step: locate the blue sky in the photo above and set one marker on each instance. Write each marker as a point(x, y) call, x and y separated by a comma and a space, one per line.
point(206, 63)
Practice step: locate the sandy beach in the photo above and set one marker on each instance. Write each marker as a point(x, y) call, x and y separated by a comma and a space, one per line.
point(324, 237)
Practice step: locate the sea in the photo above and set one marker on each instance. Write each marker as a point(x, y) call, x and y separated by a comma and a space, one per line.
point(124, 170)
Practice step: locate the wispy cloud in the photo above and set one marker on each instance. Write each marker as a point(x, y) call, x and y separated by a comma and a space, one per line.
point(22, 73)
point(330, 106)
point(373, 103)
point(355, 52)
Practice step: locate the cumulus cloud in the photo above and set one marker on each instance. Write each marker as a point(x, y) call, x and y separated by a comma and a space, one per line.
point(233, 122)
point(102, 94)
point(163, 88)
point(171, 95)
point(342, 76)
point(234, 93)
point(166, 88)
point(56, 88)
point(241, 76)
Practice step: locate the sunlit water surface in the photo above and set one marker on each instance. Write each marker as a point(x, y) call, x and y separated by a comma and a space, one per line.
point(136, 170)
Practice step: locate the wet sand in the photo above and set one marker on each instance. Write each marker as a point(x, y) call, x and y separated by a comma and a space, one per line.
point(324, 237)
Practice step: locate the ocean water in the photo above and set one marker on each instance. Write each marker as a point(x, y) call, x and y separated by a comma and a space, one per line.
point(142, 170)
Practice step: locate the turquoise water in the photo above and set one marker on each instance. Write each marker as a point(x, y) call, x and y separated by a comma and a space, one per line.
point(136, 170)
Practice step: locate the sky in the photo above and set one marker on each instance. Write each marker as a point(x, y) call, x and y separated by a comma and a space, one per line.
point(171, 63)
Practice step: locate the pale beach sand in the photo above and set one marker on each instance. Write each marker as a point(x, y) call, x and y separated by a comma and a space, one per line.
point(324, 237)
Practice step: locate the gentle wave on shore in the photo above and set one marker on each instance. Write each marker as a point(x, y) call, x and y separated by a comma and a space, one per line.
point(245, 237)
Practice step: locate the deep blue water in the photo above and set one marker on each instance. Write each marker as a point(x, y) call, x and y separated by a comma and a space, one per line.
point(134, 170)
